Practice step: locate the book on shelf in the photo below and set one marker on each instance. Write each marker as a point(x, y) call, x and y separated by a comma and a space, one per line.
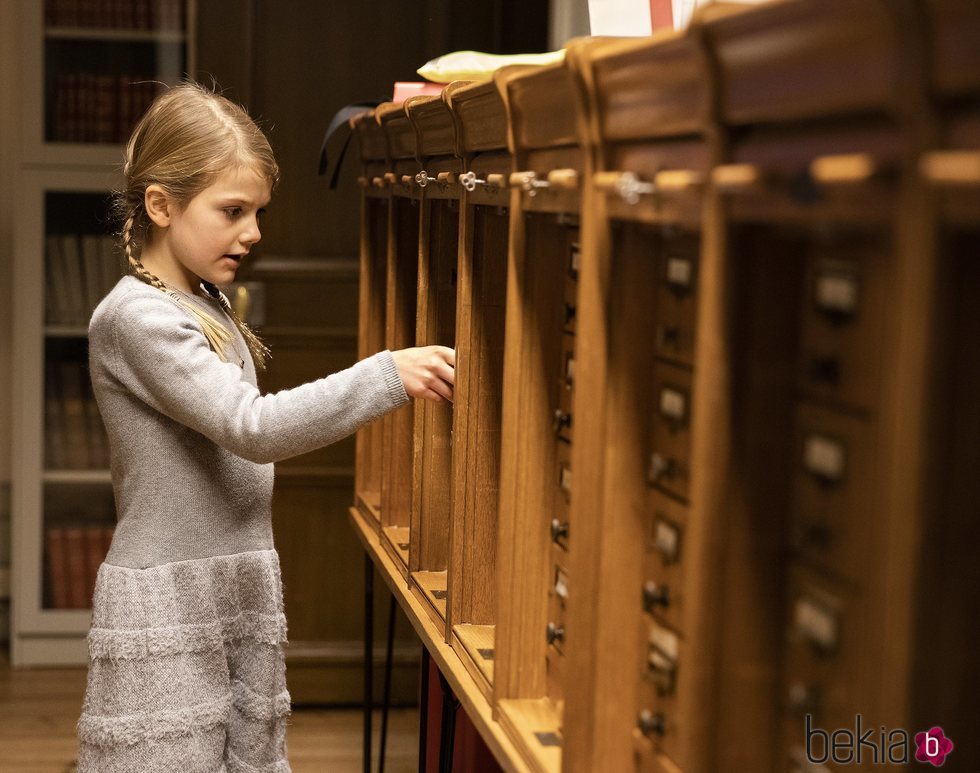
point(116, 14)
point(100, 108)
point(73, 555)
point(74, 434)
point(81, 270)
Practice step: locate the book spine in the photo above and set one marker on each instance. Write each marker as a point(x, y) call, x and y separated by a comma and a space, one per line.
point(77, 574)
point(56, 567)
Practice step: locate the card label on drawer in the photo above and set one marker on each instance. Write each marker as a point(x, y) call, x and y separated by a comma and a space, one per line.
point(673, 404)
point(666, 539)
point(569, 369)
point(561, 584)
point(824, 457)
point(680, 272)
point(665, 641)
point(574, 252)
point(816, 623)
point(565, 479)
point(836, 291)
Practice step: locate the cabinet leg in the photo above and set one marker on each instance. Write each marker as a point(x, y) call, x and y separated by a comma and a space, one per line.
point(386, 696)
point(447, 739)
point(368, 657)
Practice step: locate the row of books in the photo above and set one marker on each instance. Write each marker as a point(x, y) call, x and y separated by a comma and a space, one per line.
point(80, 270)
point(72, 559)
point(74, 436)
point(96, 108)
point(116, 14)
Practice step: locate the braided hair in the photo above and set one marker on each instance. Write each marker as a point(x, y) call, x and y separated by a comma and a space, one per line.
point(184, 141)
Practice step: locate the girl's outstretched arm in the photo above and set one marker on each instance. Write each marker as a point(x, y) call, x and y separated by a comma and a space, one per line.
point(144, 342)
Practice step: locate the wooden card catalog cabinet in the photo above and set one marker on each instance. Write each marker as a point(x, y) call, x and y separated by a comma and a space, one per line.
point(946, 676)
point(481, 144)
point(373, 300)
point(536, 579)
point(819, 242)
point(438, 247)
point(651, 114)
point(402, 280)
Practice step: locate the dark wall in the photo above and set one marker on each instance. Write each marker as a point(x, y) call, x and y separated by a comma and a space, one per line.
point(294, 64)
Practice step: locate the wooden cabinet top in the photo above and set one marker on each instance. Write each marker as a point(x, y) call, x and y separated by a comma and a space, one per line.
point(542, 106)
point(398, 130)
point(370, 136)
point(801, 59)
point(955, 48)
point(481, 121)
point(434, 125)
point(654, 87)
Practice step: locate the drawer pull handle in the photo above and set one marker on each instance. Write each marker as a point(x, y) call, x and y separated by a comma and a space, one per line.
point(951, 167)
point(559, 530)
point(738, 178)
point(651, 724)
point(562, 421)
point(845, 169)
point(566, 179)
point(655, 596)
point(446, 178)
point(390, 178)
point(555, 634)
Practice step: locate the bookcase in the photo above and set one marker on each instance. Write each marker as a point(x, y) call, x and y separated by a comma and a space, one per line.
point(737, 491)
point(89, 70)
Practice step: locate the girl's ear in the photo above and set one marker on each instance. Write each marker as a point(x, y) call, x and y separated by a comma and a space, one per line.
point(158, 205)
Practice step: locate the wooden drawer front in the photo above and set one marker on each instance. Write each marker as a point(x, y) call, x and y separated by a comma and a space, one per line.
point(663, 591)
point(833, 502)
point(564, 424)
point(555, 631)
point(844, 321)
point(571, 280)
point(563, 493)
point(658, 718)
point(677, 263)
point(827, 657)
point(670, 439)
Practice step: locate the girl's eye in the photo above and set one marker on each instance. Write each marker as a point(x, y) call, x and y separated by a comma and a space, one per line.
point(233, 212)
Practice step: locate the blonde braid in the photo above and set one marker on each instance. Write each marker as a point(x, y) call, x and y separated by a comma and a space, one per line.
point(218, 337)
point(259, 351)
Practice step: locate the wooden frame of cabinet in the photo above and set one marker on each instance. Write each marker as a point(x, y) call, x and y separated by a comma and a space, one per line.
point(436, 325)
point(397, 476)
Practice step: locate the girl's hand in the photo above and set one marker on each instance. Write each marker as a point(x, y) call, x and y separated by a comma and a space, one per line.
point(427, 371)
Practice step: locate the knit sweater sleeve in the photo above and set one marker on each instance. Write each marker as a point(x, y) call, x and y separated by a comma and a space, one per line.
point(156, 350)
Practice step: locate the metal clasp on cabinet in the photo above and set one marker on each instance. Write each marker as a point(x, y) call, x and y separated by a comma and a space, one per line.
point(627, 185)
point(469, 181)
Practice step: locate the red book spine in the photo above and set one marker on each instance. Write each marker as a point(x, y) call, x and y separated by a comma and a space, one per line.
point(77, 574)
point(57, 567)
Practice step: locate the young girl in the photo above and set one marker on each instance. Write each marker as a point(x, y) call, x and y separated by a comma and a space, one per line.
point(186, 668)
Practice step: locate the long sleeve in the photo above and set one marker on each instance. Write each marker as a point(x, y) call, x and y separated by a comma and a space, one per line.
point(156, 350)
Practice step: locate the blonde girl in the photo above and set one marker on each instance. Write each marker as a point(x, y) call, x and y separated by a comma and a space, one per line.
point(186, 668)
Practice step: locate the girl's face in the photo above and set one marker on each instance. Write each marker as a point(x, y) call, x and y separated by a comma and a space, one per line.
point(210, 236)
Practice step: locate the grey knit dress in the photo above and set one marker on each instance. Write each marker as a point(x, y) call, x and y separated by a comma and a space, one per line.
point(186, 669)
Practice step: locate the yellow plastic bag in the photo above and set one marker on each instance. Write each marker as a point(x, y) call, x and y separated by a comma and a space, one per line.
point(475, 65)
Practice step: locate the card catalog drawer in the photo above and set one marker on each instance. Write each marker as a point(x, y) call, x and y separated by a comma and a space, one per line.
point(668, 462)
point(844, 321)
point(663, 591)
point(676, 302)
point(833, 491)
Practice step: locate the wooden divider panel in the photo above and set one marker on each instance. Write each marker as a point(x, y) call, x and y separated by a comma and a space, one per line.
point(480, 124)
point(372, 300)
point(400, 322)
point(437, 182)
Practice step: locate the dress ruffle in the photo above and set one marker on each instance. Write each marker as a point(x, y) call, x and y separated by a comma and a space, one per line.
point(186, 668)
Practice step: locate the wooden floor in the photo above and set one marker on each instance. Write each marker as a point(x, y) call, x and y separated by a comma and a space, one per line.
point(39, 708)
